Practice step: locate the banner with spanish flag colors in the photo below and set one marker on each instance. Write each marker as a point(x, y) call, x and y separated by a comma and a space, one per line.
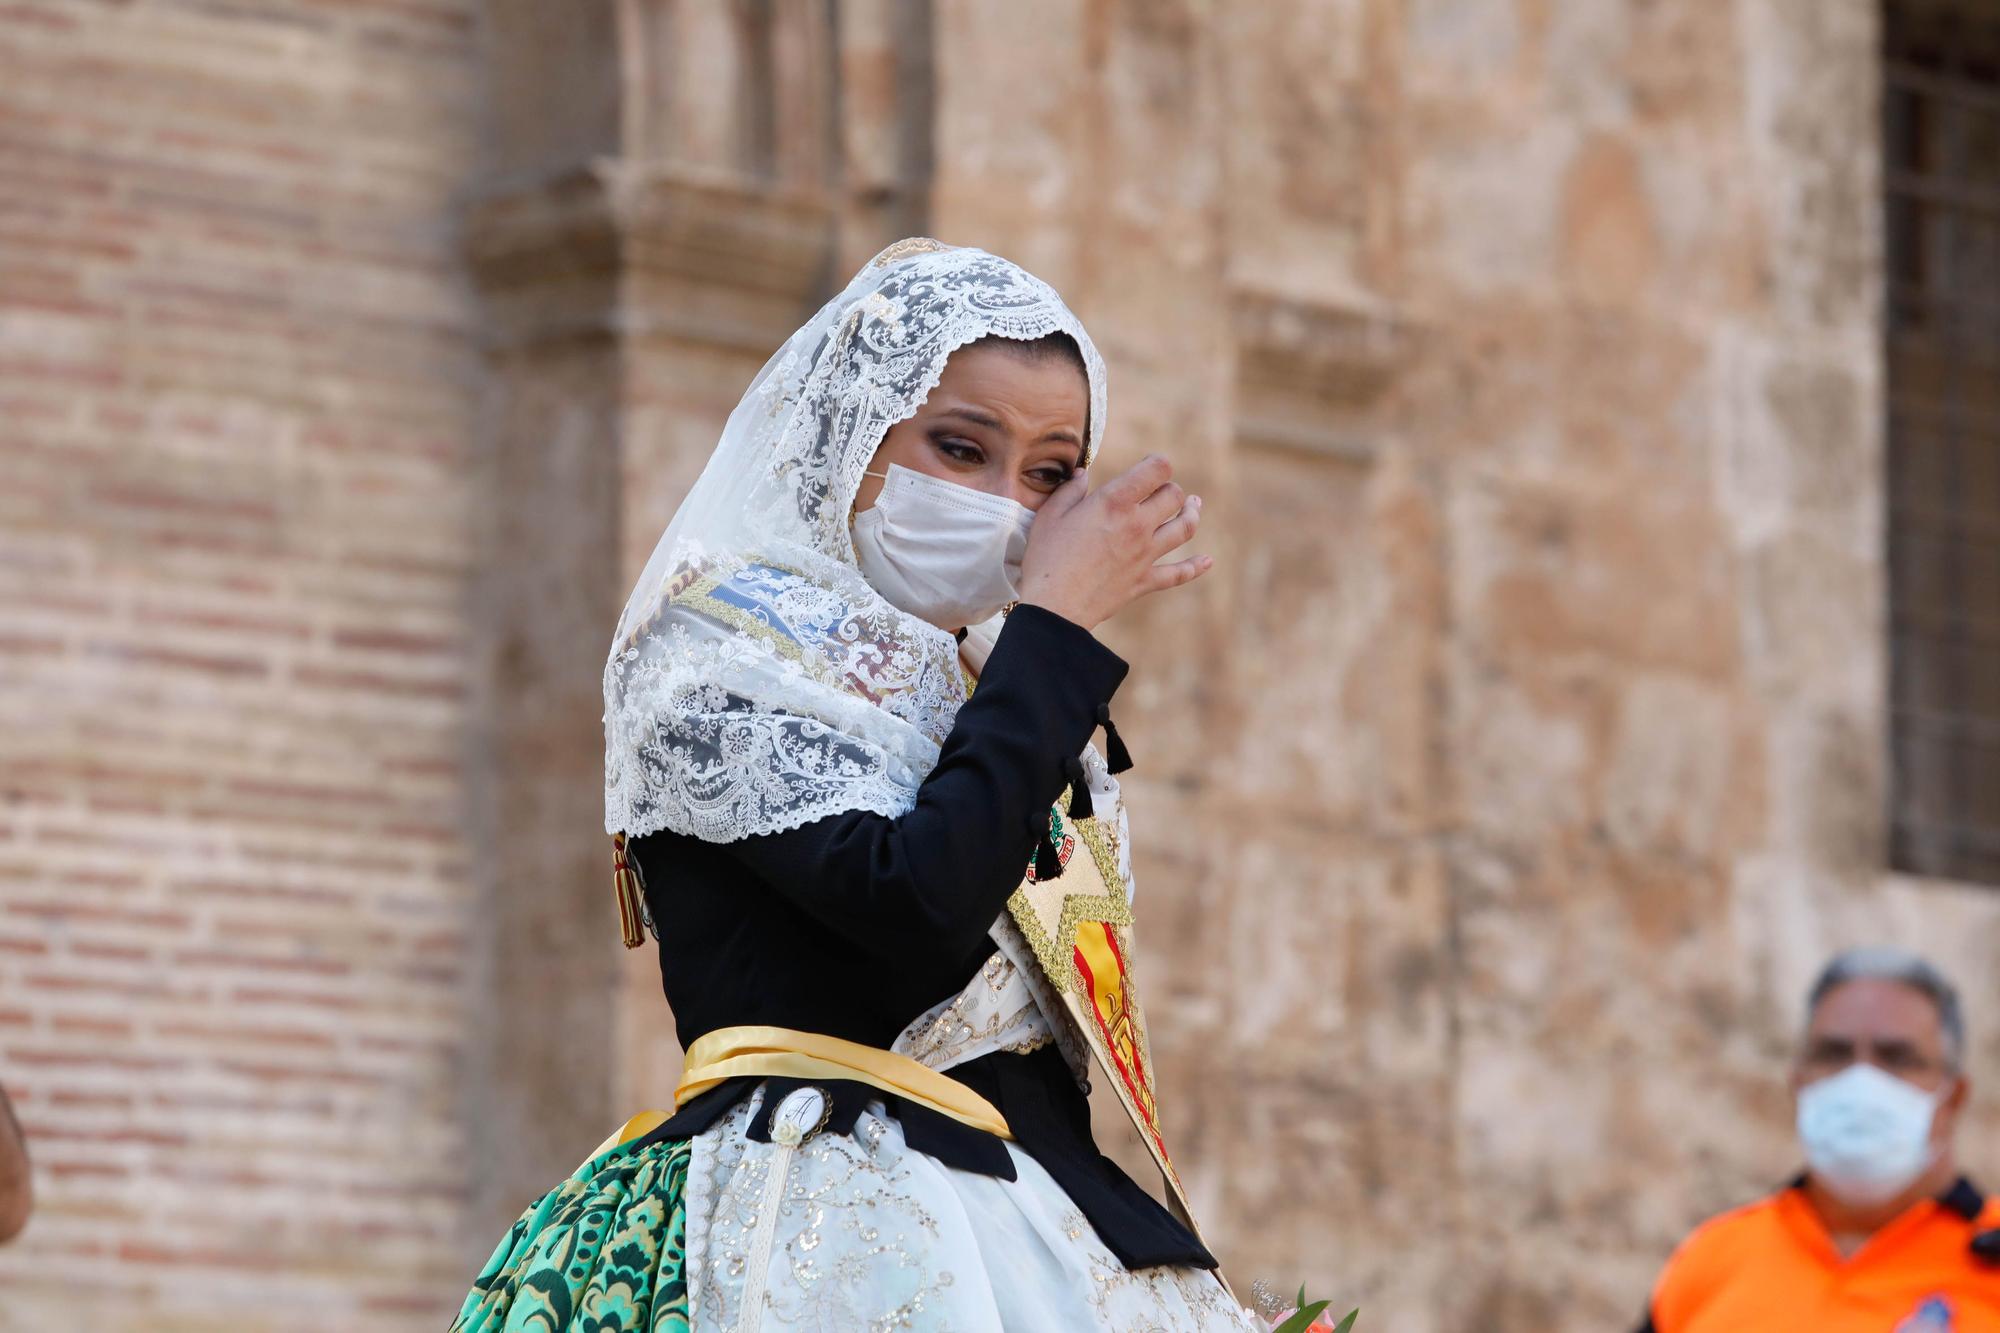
point(1078, 926)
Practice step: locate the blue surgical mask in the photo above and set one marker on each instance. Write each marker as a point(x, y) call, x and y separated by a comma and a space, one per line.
point(1866, 1133)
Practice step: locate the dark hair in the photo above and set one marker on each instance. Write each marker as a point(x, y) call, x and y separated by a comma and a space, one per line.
point(1057, 346)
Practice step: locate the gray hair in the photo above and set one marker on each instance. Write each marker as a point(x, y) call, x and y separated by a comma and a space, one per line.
point(1904, 968)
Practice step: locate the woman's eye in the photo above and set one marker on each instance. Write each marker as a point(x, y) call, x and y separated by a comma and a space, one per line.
point(960, 451)
point(1048, 478)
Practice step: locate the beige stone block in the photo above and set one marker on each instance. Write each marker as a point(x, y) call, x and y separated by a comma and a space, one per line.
point(1484, 205)
point(1549, 573)
point(1462, 45)
point(1810, 611)
point(1523, 764)
point(1818, 411)
point(1830, 809)
point(1010, 177)
point(1668, 769)
point(1583, 54)
point(1810, 94)
point(1796, 443)
point(1610, 240)
point(1329, 955)
point(1333, 571)
point(1313, 163)
point(1327, 1184)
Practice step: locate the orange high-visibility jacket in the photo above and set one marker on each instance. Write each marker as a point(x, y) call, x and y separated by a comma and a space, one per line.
point(1772, 1268)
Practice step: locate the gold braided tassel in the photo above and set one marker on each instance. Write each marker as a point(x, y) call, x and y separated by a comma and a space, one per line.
point(631, 903)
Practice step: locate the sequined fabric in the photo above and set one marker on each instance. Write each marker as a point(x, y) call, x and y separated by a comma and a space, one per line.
point(873, 1236)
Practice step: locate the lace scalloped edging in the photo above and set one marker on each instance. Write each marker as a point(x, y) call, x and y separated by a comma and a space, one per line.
point(888, 805)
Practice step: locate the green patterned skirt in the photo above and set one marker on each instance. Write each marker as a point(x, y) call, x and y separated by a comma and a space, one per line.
point(603, 1252)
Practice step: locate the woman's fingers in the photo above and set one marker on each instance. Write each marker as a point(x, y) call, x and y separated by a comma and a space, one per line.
point(1175, 573)
point(1179, 530)
point(1162, 504)
point(1068, 495)
point(1140, 480)
point(1092, 552)
point(1049, 518)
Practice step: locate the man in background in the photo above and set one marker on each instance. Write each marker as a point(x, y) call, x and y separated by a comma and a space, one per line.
point(17, 1195)
point(1880, 1233)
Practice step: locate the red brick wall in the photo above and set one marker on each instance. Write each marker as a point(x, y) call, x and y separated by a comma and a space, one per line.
point(236, 391)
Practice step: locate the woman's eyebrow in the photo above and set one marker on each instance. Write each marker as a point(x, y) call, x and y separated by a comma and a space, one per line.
point(975, 416)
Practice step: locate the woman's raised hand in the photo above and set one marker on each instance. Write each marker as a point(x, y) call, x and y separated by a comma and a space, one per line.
point(1093, 553)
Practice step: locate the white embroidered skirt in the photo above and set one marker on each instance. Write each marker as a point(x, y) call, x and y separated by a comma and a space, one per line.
point(842, 1234)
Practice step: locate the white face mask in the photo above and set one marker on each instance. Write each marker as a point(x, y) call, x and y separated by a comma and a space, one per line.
point(940, 551)
point(1866, 1133)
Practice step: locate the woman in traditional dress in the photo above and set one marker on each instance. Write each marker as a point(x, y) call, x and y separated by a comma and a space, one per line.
point(850, 779)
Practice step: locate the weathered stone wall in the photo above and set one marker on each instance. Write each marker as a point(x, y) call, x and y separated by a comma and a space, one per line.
point(236, 409)
point(1503, 787)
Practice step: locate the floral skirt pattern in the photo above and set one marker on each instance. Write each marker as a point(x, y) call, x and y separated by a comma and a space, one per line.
point(603, 1252)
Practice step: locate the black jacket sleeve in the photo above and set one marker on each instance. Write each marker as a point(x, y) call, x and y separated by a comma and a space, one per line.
point(942, 872)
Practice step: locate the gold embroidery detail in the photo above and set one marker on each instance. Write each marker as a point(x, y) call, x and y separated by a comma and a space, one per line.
point(700, 596)
point(1049, 911)
point(903, 249)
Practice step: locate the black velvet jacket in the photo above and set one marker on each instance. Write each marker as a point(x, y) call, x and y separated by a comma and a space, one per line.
point(854, 925)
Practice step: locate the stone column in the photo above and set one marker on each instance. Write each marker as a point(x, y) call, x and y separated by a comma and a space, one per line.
point(670, 189)
point(547, 261)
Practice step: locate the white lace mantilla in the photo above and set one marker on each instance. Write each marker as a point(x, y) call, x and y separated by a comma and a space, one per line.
point(756, 681)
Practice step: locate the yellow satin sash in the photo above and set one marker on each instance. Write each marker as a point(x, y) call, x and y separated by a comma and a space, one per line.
point(773, 1052)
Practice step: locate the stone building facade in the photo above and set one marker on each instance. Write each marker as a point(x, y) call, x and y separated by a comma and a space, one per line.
point(1498, 793)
